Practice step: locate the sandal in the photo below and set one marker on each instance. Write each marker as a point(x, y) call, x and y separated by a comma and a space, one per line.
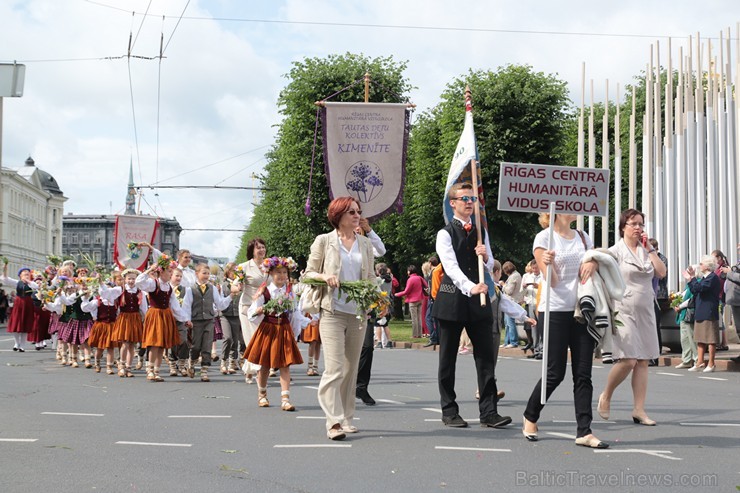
point(262, 398)
point(285, 404)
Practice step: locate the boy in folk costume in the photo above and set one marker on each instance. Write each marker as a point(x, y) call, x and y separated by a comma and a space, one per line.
point(41, 317)
point(273, 344)
point(233, 338)
point(207, 301)
point(129, 328)
point(104, 310)
point(21, 317)
point(180, 303)
point(160, 328)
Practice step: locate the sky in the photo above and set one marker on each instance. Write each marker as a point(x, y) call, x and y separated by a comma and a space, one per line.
point(206, 113)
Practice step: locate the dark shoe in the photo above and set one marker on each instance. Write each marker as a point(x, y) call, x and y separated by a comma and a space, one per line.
point(365, 397)
point(430, 344)
point(21, 350)
point(722, 348)
point(15, 348)
point(653, 362)
point(455, 421)
point(495, 421)
point(538, 356)
point(389, 345)
point(526, 348)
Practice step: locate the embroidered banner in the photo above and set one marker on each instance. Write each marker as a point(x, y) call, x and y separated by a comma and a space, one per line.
point(133, 229)
point(365, 153)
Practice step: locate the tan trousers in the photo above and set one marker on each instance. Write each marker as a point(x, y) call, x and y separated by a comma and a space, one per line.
point(341, 337)
point(416, 326)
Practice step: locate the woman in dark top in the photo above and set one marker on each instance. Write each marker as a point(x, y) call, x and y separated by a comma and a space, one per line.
point(707, 292)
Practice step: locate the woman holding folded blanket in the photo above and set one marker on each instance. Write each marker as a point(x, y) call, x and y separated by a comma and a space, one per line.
point(635, 340)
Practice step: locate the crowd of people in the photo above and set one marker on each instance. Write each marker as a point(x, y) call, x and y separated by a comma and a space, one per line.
point(172, 314)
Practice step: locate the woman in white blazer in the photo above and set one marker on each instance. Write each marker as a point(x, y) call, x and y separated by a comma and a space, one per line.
point(338, 256)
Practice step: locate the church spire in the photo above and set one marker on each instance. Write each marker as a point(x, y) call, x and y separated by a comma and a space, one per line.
point(131, 194)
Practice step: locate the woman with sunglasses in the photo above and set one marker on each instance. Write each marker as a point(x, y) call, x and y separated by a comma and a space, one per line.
point(338, 256)
point(635, 342)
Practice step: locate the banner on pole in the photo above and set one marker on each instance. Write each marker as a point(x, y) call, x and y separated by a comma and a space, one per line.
point(365, 154)
point(531, 188)
point(133, 229)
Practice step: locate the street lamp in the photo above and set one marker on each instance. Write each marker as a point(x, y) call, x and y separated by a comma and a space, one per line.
point(12, 77)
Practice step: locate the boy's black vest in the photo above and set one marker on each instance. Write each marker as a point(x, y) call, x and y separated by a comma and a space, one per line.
point(451, 304)
point(202, 308)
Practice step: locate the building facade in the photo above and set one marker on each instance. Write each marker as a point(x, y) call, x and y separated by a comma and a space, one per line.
point(31, 211)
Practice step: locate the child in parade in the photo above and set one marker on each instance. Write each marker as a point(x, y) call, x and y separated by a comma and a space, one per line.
point(22, 316)
point(128, 329)
point(41, 317)
point(310, 335)
point(160, 328)
point(207, 301)
point(105, 312)
point(233, 338)
point(182, 299)
point(77, 323)
point(273, 344)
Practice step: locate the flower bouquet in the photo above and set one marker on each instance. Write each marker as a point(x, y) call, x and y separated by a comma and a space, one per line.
point(675, 298)
point(46, 295)
point(165, 262)
point(365, 292)
point(279, 305)
point(4, 260)
point(54, 260)
point(239, 275)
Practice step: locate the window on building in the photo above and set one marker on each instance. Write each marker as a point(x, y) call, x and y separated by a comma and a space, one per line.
point(74, 238)
point(168, 238)
point(53, 244)
point(97, 256)
point(86, 239)
point(98, 239)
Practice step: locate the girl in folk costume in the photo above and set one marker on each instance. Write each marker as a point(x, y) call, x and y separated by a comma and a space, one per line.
point(63, 286)
point(160, 328)
point(105, 311)
point(273, 344)
point(21, 317)
point(180, 302)
point(41, 317)
point(77, 323)
point(207, 301)
point(129, 329)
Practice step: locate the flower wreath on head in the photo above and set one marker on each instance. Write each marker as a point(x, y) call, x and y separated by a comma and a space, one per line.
point(165, 262)
point(273, 262)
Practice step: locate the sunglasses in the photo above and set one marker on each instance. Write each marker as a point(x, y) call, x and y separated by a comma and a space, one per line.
point(354, 212)
point(466, 199)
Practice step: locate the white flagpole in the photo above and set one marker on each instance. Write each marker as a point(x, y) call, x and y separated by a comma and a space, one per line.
point(617, 170)
point(691, 159)
point(647, 147)
point(669, 171)
point(657, 213)
point(711, 195)
point(591, 153)
point(632, 197)
point(701, 158)
point(681, 190)
point(722, 201)
point(605, 165)
point(546, 328)
point(734, 136)
point(581, 137)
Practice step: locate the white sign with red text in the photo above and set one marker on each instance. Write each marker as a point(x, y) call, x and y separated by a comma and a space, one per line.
point(531, 188)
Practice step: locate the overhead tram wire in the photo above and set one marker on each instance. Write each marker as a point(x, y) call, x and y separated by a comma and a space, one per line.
point(140, 25)
point(214, 164)
point(418, 27)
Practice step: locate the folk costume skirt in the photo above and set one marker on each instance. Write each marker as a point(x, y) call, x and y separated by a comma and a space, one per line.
point(101, 336)
point(128, 327)
point(273, 346)
point(160, 328)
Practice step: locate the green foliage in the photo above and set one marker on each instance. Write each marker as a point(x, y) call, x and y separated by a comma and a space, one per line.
point(520, 116)
point(279, 219)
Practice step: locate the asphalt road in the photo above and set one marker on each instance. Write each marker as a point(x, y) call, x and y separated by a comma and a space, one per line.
point(65, 430)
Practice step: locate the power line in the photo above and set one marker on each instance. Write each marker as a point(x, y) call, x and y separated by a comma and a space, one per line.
point(133, 14)
point(175, 29)
point(202, 187)
point(415, 27)
point(213, 164)
point(213, 229)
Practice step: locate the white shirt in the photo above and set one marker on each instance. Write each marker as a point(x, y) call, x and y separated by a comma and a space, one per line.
point(568, 256)
point(351, 270)
point(376, 242)
point(530, 292)
point(449, 260)
point(183, 310)
point(297, 320)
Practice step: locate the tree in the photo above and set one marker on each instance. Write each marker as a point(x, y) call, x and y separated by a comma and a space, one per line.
point(279, 219)
point(521, 116)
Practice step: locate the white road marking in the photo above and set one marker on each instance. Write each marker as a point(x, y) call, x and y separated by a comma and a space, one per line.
point(574, 421)
point(18, 439)
point(654, 453)
point(432, 409)
point(319, 417)
point(72, 414)
point(596, 366)
point(561, 435)
point(201, 416)
point(316, 445)
point(474, 449)
point(714, 378)
point(669, 374)
point(156, 444)
point(709, 424)
point(6, 340)
point(388, 401)
point(413, 398)
point(310, 387)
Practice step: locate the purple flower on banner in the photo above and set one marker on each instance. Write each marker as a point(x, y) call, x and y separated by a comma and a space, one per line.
point(364, 181)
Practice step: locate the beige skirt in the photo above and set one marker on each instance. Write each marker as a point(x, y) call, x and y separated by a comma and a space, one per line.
point(707, 331)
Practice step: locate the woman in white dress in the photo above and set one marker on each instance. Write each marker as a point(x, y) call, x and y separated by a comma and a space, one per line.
point(636, 339)
point(254, 277)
